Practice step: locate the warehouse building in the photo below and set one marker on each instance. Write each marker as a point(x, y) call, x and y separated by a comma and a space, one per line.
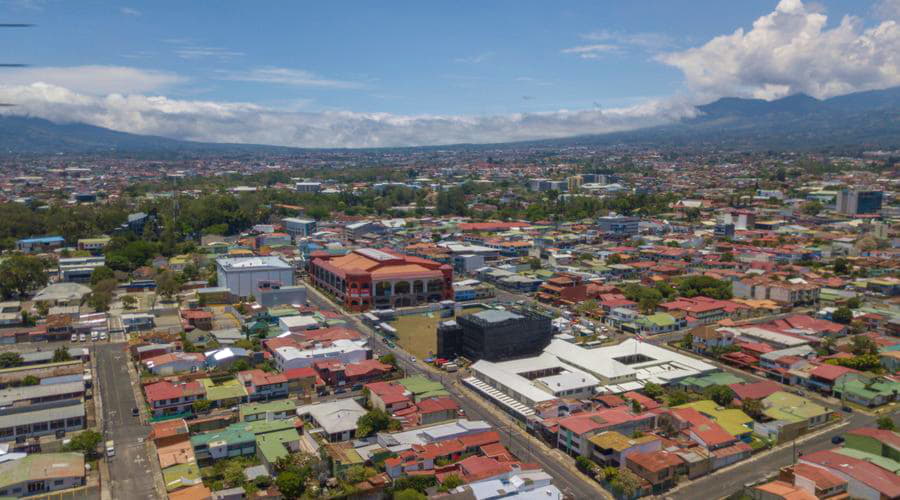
point(242, 275)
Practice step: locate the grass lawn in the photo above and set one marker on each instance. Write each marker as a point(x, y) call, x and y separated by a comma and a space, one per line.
point(417, 333)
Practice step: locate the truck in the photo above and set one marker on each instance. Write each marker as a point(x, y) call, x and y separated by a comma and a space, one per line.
point(450, 367)
point(110, 449)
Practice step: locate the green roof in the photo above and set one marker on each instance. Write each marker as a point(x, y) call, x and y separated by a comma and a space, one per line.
point(659, 319)
point(735, 422)
point(181, 475)
point(718, 378)
point(230, 389)
point(423, 388)
point(272, 445)
point(265, 426)
point(880, 387)
point(883, 462)
point(284, 405)
point(782, 405)
point(231, 435)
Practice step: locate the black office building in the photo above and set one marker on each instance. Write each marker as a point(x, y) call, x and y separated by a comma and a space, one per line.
point(494, 335)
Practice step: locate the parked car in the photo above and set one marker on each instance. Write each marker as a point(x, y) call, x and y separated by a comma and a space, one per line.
point(847, 409)
point(103, 336)
point(95, 335)
point(135, 412)
point(837, 440)
point(82, 338)
point(74, 338)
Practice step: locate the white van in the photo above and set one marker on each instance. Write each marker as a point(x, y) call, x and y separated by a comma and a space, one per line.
point(110, 449)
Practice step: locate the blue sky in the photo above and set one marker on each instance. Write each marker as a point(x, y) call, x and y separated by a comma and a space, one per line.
point(409, 59)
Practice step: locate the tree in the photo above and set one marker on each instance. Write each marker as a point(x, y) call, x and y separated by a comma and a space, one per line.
point(129, 301)
point(201, 405)
point(886, 423)
point(752, 407)
point(389, 359)
point(167, 284)
point(812, 208)
point(10, 360)
point(31, 380)
point(862, 345)
point(409, 494)
point(587, 306)
point(636, 407)
point(841, 266)
point(854, 303)
point(102, 273)
point(356, 474)
point(584, 464)
point(291, 484)
point(451, 481)
point(85, 442)
point(21, 274)
point(61, 354)
point(678, 397)
point(233, 475)
point(614, 259)
point(654, 391)
point(693, 286)
point(374, 421)
point(626, 483)
point(100, 301)
point(842, 315)
point(721, 394)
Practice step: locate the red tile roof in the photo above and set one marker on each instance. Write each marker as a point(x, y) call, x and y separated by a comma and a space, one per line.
point(885, 436)
point(821, 477)
point(755, 390)
point(885, 482)
point(655, 461)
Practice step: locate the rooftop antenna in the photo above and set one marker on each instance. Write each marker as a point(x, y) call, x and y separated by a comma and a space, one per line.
point(12, 65)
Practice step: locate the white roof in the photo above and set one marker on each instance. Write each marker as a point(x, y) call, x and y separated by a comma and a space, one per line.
point(335, 416)
point(253, 262)
point(568, 380)
point(298, 321)
point(768, 336)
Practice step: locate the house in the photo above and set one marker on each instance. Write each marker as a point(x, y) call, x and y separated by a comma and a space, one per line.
point(865, 480)
point(659, 467)
point(169, 398)
point(263, 386)
point(336, 418)
point(788, 416)
point(174, 362)
point(224, 393)
point(272, 410)
point(389, 396)
point(611, 448)
point(41, 473)
point(40, 244)
point(303, 381)
point(233, 441)
point(434, 410)
point(816, 481)
point(575, 431)
point(136, 322)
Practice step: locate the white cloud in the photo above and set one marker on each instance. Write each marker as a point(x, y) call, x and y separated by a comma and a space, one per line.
point(792, 50)
point(647, 41)
point(888, 9)
point(250, 123)
point(97, 80)
point(128, 11)
point(288, 76)
point(476, 59)
point(195, 52)
point(593, 51)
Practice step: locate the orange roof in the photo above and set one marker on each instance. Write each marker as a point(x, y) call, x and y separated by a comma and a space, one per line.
point(195, 492)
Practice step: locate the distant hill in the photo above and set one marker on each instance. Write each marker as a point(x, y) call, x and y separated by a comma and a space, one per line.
point(852, 122)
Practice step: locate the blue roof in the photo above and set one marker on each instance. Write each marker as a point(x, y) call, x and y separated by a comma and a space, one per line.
point(43, 239)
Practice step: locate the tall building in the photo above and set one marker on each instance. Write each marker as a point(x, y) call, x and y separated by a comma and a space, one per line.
point(242, 275)
point(854, 202)
point(308, 187)
point(618, 226)
point(366, 278)
point(494, 335)
point(299, 228)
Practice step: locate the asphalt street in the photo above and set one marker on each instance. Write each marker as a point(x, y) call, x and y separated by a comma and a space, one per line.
point(130, 470)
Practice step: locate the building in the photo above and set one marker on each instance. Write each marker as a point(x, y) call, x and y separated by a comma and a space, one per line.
point(34, 420)
point(299, 228)
point(616, 226)
point(855, 202)
point(494, 335)
point(41, 473)
point(93, 245)
point(40, 244)
point(337, 418)
point(269, 294)
point(367, 278)
point(242, 275)
point(79, 269)
point(308, 187)
point(346, 351)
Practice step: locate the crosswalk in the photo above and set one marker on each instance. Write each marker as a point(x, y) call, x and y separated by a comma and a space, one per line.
point(498, 396)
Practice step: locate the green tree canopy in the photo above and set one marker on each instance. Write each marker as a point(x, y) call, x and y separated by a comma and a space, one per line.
point(21, 274)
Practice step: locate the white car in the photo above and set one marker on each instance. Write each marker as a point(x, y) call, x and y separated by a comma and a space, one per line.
point(74, 338)
point(102, 335)
point(95, 335)
point(413, 359)
point(82, 338)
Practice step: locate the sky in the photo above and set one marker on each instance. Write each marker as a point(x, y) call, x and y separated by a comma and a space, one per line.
point(363, 74)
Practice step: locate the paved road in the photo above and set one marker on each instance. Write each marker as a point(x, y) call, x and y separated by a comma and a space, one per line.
point(130, 471)
point(553, 461)
point(750, 471)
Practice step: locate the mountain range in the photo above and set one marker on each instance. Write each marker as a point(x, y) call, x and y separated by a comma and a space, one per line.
point(853, 122)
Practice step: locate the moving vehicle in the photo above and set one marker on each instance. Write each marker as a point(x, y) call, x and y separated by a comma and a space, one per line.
point(110, 449)
point(413, 359)
point(135, 412)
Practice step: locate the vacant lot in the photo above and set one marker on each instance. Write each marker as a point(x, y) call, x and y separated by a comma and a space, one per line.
point(417, 333)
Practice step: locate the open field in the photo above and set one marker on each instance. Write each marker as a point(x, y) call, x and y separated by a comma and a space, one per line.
point(417, 333)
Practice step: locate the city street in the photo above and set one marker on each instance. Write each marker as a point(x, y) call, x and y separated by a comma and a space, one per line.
point(130, 470)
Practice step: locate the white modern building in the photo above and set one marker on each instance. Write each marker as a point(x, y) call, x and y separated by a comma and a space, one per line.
point(242, 275)
point(299, 228)
point(566, 370)
point(336, 418)
point(345, 351)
